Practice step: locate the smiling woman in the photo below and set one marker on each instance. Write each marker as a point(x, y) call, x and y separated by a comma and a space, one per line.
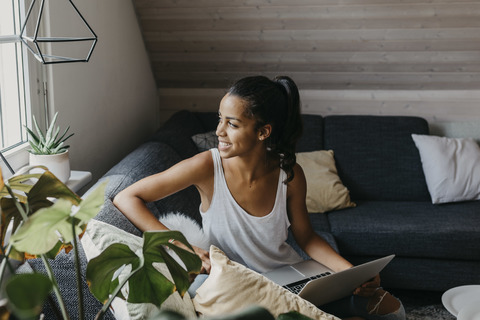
point(253, 192)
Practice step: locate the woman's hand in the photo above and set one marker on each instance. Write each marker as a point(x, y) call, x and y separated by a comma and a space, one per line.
point(205, 257)
point(201, 253)
point(368, 288)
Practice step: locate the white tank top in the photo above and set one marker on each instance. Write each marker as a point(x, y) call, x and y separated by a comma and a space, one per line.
point(256, 242)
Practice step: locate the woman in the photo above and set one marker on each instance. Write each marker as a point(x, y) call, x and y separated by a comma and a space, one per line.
point(252, 191)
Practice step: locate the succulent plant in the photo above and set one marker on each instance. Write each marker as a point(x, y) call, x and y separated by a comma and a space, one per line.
point(50, 142)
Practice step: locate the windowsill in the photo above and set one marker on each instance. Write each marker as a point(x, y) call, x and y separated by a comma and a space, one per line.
point(78, 180)
point(16, 157)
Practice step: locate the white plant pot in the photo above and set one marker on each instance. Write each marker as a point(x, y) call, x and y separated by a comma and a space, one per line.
point(58, 164)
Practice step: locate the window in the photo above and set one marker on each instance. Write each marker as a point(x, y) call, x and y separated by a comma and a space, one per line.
point(15, 102)
point(12, 93)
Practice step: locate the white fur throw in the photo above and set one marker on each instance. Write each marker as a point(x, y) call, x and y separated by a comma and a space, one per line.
point(188, 227)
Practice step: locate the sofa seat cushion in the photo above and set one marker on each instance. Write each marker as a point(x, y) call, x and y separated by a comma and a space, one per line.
point(376, 157)
point(409, 229)
point(320, 222)
point(425, 274)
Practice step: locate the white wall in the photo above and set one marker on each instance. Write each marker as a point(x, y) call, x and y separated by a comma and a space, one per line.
point(111, 102)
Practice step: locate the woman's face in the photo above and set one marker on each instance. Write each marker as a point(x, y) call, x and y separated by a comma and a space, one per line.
point(236, 132)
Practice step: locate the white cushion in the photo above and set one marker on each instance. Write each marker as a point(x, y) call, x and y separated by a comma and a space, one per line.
point(231, 287)
point(451, 167)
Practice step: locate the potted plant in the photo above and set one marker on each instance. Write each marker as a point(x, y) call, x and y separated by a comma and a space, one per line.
point(48, 149)
point(44, 217)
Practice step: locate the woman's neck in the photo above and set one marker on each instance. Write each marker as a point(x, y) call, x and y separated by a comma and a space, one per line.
point(251, 169)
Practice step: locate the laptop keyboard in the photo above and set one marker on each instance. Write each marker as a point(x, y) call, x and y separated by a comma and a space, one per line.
point(296, 287)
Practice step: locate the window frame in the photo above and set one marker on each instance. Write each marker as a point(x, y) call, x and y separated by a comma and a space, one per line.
point(33, 93)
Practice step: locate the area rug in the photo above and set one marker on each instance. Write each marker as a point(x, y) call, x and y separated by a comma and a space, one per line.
point(423, 305)
point(433, 312)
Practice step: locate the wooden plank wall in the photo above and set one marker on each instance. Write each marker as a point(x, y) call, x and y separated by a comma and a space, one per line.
point(407, 57)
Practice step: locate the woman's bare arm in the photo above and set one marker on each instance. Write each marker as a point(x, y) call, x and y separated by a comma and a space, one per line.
point(131, 201)
point(310, 242)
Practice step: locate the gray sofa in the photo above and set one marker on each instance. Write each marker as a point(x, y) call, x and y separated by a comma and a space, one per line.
point(437, 246)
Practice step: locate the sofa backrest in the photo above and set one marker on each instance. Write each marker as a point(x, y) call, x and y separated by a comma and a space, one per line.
point(177, 132)
point(376, 157)
point(312, 137)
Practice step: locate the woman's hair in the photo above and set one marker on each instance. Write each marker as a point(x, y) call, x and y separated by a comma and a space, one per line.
point(275, 102)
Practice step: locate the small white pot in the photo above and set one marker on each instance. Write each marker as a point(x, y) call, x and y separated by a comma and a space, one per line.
point(58, 164)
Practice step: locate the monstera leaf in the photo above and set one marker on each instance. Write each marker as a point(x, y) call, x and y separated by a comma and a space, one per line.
point(42, 231)
point(146, 283)
point(31, 196)
point(27, 293)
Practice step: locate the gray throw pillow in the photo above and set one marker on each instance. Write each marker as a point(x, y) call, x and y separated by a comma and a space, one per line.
point(205, 141)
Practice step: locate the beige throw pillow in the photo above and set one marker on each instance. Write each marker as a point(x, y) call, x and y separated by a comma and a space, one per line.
point(325, 191)
point(231, 287)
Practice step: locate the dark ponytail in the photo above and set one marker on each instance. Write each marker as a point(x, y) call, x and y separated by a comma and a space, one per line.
point(275, 102)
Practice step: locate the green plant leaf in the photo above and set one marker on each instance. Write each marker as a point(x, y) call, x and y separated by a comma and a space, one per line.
point(92, 204)
point(41, 232)
point(63, 138)
point(37, 196)
point(146, 283)
point(153, 250)
point(2, 184)
point(39, 134)
point(26, 294)
point(34, 139)
point(102, 270)
point(253, 312)
point(55, 250)
point(168, 315)
point(21, 182)
point(51, 127)
point(148, 278)
point(48, 143)
point(48, 186)
point(250, 313)
point(9, 213)
point(149, 285)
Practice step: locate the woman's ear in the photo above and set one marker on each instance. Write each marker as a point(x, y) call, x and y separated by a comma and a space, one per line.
point(264, 132)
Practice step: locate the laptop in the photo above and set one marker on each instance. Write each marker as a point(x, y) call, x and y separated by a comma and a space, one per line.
point(318, 284)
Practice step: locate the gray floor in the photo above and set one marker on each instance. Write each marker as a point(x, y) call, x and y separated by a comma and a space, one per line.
point(423, 305)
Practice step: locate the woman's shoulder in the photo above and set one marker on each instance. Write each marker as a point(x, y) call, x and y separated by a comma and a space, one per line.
point(299, 182)
point(201, 160)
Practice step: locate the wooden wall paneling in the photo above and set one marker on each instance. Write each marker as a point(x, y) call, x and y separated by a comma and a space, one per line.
point(433, 105)
point(400, 47)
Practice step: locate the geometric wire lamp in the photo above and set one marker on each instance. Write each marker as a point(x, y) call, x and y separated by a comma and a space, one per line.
point(42, 47)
